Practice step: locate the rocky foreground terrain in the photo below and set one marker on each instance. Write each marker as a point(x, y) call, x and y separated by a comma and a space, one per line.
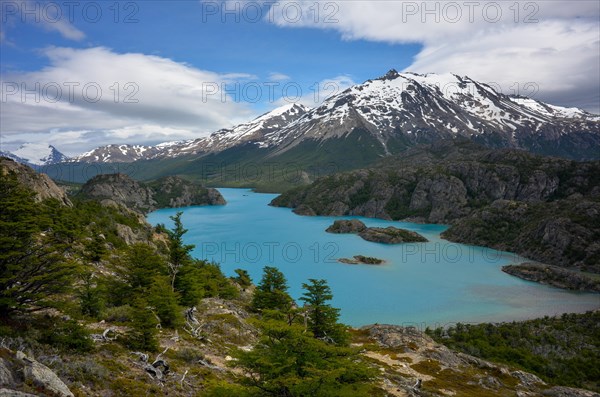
point(408, 361)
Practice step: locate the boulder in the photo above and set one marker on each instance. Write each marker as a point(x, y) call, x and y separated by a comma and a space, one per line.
point(42, 377)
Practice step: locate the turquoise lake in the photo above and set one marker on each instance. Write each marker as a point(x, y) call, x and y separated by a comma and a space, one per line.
point(435, 283)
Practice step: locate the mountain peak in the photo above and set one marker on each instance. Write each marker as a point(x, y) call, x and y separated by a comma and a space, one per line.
point(391, 75)
point(39, 153)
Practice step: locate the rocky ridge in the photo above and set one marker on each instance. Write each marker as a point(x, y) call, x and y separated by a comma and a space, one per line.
point(40, 184)
point(166, 192)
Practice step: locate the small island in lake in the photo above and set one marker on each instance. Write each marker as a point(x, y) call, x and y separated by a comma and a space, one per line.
point(362, 260)
point(388, 235)
point(346, 226)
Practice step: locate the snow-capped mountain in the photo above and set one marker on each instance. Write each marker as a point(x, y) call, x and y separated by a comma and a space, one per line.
point(385, 115)
point(253, 131)
point(117, 154)
point(36, 154)
point(406, 108)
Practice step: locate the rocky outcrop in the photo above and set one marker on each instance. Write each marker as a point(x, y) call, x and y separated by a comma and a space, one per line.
point(121, 189)
point(176, 192)
point(346, 226)
point(555, 276)
point(438, 370)
point(41, 184)
point(304, 210)
point(18, 371)
point(388, 235)
point(166, 192)
point(42, 377)
point(444, 195)
point(561, 233)
point(391, 235)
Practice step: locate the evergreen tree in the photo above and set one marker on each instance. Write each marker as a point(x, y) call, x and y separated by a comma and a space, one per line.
point(289, 362)
point(89, 296)
point(143, 333)
point(95, 248)
point(142, 265)
point(164, 300)
point(33, 248)
point(271, 292)
point(243, 278)
point(200, 279)
point(179, 253)
point(322, 318)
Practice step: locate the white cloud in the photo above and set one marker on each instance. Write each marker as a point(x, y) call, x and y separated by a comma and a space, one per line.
point(275, 76)
point(50, 16)
point(65, 29)
point(554, 44)
point(120, 98)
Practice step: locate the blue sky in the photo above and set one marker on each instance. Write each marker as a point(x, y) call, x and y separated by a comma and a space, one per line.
point(184, 31)
point(174, 58)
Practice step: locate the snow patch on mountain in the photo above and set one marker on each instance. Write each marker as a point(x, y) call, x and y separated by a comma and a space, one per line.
point(39, 153)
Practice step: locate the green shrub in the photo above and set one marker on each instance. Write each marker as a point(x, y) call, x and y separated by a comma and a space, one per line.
point(67, 335)
point(118, 314)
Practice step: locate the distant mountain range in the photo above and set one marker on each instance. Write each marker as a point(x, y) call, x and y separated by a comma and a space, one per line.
point(36, 154)
point(255, 131)
point(378, 118)
point(391, 113)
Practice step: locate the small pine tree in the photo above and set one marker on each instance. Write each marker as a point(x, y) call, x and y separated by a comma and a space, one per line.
point(95, 249)
point(322, 318)
point(287, 361)
point(243, 278)
point(271, 292)
point(200, 279)
point(143, 333)
point(179, 253)
point(142, 265)
point(89, 296)
point(164, 301)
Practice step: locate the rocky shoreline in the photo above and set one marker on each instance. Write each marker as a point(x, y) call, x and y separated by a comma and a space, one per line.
point(554, 276)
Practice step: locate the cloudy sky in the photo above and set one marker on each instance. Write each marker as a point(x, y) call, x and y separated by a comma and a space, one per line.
point(89, 73)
